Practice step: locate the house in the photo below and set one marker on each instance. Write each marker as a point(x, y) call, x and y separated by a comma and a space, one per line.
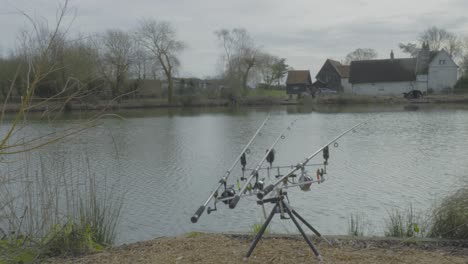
point(298, 82)
point(428, 72)
point(334, 75)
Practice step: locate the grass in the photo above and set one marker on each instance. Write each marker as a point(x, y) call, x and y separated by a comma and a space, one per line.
point(255, 229)
point(450, 217)
point(404, 223)
point(193, 234)
point(280, 94)
point(356, 225)
point(57, 208)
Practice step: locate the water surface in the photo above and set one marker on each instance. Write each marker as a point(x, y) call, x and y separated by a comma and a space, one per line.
point(168, 161)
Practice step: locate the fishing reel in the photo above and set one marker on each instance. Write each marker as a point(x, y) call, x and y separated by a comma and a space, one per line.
point(305, 181)
point(229, 192)
point(259, 185)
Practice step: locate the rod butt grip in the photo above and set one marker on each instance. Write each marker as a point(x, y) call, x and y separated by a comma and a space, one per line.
point(197, 214)
point(234, 202)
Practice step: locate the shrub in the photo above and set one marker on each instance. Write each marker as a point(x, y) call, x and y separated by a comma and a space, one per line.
point(450, 217)
point(71, 239)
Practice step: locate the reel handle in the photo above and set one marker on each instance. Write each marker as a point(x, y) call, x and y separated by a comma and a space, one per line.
point(265, 191)
point(234, 202)
point(197, 214)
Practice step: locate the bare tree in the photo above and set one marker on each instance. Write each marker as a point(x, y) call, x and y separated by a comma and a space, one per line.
point(360, 54)
point(142, 63)
point(159, 38)
point(410, 48)
point(454, 46)
point(437, 39)
point(115, 51)
point(241, 56)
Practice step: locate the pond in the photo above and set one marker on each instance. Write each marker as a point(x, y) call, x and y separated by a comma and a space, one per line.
point(168, 161)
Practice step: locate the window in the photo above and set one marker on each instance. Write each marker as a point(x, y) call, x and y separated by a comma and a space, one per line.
point(441, 62)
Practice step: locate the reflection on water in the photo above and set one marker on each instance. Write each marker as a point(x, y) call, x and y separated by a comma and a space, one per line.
point(170, 159)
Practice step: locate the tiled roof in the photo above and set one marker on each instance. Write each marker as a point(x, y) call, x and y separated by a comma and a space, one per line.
point(343, 70)
point(297, 77)
point(390, 70)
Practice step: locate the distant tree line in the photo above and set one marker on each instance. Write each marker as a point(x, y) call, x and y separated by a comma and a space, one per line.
point(113, 63)
point(109, 59)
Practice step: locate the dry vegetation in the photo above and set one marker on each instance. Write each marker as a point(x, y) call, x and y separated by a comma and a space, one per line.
point(208, 248)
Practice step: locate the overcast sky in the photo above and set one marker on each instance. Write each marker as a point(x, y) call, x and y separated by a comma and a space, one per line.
point(305, 32)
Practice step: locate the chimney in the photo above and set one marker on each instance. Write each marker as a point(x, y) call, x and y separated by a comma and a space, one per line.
point(392, 56)
point(423, 59)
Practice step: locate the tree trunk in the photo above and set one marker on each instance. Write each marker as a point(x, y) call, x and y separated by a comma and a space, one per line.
point(169, 88)
point(244, 79)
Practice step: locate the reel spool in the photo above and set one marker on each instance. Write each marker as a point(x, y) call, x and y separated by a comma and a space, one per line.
point(228, 192)
point(259, 185)
point(305, 186)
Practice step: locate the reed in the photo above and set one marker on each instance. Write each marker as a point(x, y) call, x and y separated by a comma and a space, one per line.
point(449, 219)
point(404, 223)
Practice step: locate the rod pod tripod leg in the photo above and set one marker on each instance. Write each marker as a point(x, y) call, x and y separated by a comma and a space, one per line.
point(260, 233)
point(317, 233)
point(291, 214)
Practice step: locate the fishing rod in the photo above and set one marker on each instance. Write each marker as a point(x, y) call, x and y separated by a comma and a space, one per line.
point(299, 166)
point(224, 179)
point(270, 156)
point(273, 193)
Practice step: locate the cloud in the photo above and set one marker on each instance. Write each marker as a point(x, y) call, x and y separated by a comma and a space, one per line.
point(302, 31)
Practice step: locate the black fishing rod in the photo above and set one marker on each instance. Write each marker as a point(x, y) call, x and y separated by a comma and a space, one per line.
point(223, 180)
point(268, 155)
point(299, 166)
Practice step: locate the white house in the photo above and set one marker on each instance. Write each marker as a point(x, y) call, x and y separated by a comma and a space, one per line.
point(442, 73)
point(429, 72)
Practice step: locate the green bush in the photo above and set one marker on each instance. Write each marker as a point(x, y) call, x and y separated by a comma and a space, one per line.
point(450, 217)
point(71, 239)
point(17, 251)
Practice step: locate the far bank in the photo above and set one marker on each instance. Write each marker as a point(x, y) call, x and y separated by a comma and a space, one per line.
point(44, 105)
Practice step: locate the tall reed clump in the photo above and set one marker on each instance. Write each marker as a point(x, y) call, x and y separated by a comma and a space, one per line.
point(403, 223)
point(356, 225)
point(450, 218)
point(54, 205)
